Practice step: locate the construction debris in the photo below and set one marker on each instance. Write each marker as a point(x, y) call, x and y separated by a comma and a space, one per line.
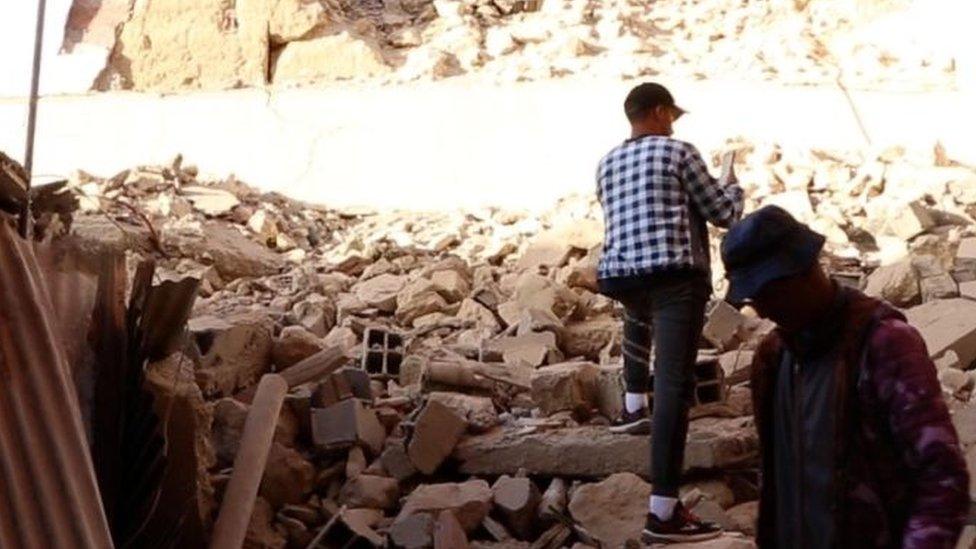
point(417, 350)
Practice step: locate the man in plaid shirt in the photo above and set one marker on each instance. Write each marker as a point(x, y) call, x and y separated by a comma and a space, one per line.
point(657, 195)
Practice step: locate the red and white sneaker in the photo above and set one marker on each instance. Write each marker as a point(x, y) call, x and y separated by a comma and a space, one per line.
point(684, 527)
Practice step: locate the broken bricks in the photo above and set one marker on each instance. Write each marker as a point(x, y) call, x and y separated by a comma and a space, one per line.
point(345, 424)
point(342, 384)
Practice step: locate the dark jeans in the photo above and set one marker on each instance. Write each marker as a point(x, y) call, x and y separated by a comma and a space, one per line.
point(670, 308)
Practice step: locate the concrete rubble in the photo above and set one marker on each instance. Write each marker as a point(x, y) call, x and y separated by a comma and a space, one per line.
point(470, 384)
point(299, 42)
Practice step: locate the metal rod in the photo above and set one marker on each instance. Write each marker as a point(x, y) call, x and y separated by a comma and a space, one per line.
point(25, 213)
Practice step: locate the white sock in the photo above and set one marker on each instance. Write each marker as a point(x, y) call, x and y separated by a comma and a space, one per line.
point(635, 401)
point(663, 507)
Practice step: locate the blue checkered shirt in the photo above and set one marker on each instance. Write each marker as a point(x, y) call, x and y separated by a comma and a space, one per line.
point(656, 195)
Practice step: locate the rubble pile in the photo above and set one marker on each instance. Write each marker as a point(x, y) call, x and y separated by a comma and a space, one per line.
point(876, 44)
point(479, 365)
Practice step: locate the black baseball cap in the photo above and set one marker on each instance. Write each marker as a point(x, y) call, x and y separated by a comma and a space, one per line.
point(767, 245)
point(647, 96)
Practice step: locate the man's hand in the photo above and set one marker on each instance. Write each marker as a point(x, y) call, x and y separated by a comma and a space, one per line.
point(728, 168)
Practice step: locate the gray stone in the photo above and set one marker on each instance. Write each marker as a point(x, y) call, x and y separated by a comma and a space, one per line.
point(897, 283)
point(594, 452)
point(947, 325)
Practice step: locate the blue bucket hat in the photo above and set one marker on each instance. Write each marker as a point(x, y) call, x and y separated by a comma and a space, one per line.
point(767, 245)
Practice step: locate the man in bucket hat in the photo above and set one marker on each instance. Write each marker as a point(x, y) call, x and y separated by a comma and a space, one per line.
point(856, 442)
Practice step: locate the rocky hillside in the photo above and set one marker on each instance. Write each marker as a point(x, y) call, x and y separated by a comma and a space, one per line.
point(169, 45)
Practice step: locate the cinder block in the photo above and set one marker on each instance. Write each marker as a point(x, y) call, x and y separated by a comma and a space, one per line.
point(709, 382)
point(382, 352)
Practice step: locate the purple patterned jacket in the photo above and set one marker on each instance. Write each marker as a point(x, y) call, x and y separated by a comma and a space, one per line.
point(900, 478)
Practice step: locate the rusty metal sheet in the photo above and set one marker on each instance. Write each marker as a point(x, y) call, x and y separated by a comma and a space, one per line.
point(48, 490)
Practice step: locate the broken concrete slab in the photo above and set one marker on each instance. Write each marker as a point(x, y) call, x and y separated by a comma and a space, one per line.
point(517, 500)
point(438, 430)
point(344, 424)
point(612, 511)
point(593, 452)
point(947, 325)
point(234, 352)
point(469, 501)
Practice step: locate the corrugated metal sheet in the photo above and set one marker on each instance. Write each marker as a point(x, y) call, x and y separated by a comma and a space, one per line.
point(48, 491)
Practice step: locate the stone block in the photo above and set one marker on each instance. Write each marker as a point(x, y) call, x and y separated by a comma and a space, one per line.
point(947, 325)
point(345, 424)
point(588, 338)
point(570, 386)
point(438, 430)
